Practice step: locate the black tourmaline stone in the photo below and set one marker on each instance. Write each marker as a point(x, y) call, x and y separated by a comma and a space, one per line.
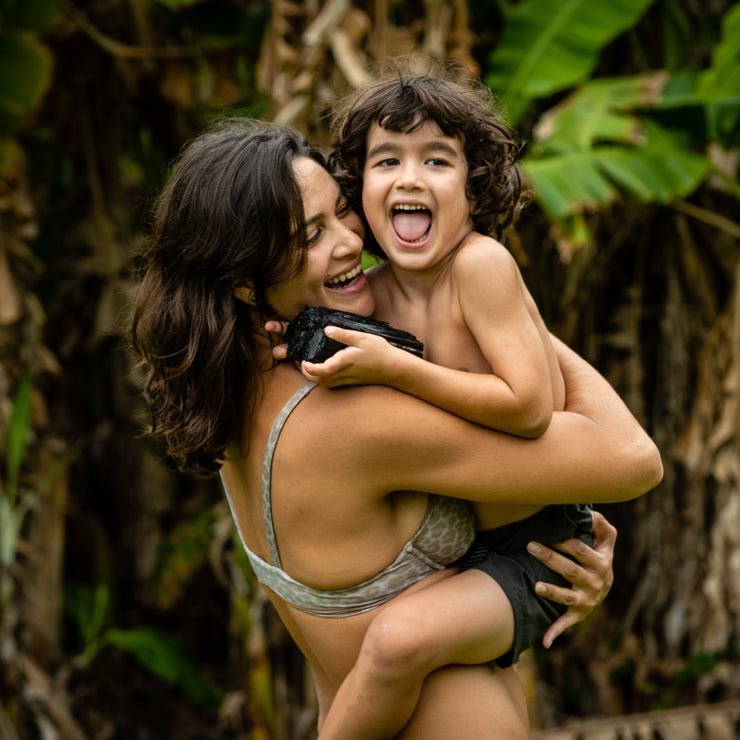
point(307, 341)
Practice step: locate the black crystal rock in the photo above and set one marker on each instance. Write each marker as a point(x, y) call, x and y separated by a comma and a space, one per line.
point(307, 341)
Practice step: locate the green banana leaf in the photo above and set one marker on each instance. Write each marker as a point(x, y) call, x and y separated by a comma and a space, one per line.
point(27, 64)
point(549, 46)
point(29, 15)
point(18, 430)
point(602, 110)
point(716, 90)
point(659, 169)
point(724, 74)
point(166, 657)
point(720, 84)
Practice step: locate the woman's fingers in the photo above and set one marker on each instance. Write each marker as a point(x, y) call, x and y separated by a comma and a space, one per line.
point(277, 329)
point(558, 627)
point(605, 536)
point(556, 561)
point(590, 577)
point(588, 569)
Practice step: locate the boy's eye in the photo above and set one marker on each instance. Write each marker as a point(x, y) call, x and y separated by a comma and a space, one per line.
point(437, 162)
point(387, 162)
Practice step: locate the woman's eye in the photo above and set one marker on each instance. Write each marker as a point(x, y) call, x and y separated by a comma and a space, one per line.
point(343, 208)
point(314, 236)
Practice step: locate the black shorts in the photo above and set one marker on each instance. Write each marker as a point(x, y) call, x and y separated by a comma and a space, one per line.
point(502, 553)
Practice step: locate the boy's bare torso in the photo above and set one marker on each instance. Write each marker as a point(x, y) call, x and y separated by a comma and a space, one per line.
point(428, 306)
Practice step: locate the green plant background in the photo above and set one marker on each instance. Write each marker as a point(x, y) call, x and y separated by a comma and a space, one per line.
point(629, 111)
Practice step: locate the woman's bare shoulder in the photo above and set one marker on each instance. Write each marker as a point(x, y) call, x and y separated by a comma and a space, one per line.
point(354, 416)
point(369, 430)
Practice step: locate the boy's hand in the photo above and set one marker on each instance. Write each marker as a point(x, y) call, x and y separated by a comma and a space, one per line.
point(592, 576)
point(277, 329)
point(367, 360)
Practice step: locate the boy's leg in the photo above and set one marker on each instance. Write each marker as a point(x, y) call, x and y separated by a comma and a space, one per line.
point(466, 618)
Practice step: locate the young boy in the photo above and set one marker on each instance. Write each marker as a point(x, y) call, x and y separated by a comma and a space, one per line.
point(433, 172)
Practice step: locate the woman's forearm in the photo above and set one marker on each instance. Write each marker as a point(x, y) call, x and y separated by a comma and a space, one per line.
point(590, 395)
point(593, 452)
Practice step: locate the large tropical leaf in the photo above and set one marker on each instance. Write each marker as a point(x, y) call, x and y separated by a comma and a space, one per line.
point(593, 150)
point(167, 657)
point(724, 73)
point(597, 112)
point(715, 90)
point(21, 91)
point(549, 46)
point(720, 84)
point(661, 170)
point(18, 429)
point(30, 15)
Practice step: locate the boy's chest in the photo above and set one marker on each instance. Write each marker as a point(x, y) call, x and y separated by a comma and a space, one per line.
point(450, 344)
point(439, 323)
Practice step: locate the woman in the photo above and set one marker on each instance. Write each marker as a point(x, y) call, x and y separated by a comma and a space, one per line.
point(341, 496)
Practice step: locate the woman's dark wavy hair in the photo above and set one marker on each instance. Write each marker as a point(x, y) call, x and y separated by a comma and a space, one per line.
point(403, 101)
point(230, 213)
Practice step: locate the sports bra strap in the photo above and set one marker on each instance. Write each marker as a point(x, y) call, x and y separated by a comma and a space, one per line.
point(277, 428)
point(444, 535)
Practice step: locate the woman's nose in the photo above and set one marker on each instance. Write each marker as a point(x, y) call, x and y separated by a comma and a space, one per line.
point(352, 235)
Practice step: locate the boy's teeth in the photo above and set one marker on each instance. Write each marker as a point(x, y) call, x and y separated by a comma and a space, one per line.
point(345, 276)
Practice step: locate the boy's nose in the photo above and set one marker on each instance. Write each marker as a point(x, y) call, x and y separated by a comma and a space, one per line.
point(408, 176)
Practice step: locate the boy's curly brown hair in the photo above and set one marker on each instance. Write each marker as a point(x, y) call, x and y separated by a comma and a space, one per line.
point(403, 101)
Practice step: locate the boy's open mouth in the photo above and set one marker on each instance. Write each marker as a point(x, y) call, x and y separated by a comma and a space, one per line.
point(345, 279)
point(411, 222)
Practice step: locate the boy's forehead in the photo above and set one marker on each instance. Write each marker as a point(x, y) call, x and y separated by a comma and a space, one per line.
point(429, 128)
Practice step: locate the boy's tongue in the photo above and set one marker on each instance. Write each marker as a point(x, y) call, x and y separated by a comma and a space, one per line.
point(411, 225)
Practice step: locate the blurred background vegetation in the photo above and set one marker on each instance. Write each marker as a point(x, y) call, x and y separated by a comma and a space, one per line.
point(126, 610)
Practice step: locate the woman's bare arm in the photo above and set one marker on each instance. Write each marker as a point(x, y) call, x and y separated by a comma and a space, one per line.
point(594, 451)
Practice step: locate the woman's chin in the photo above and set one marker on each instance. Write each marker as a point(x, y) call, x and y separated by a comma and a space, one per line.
point(356, 298)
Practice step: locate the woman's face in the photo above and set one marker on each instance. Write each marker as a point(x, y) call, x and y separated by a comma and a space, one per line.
point(332, 273)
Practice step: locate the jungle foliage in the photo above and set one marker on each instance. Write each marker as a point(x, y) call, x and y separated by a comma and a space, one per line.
point(126, 608)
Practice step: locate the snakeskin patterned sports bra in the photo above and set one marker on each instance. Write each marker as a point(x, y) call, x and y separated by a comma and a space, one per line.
point(445, 534)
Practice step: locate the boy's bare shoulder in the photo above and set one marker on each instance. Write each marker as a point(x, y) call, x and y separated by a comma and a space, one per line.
point(482, 257)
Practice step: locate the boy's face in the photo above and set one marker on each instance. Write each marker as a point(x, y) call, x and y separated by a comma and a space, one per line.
point(414, 195)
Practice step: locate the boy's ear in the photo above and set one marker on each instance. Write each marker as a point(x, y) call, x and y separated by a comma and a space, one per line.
point(245, 292)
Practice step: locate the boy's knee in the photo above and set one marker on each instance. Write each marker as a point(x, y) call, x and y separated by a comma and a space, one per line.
point(393, 647)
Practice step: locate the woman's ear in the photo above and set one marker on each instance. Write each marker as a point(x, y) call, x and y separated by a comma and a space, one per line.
point(245, 292)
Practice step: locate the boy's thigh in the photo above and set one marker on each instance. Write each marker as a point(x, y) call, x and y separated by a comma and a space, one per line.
point(517, 574)
point(466, 618)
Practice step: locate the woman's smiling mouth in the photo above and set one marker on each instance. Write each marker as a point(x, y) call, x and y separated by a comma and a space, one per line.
point(346, 279)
